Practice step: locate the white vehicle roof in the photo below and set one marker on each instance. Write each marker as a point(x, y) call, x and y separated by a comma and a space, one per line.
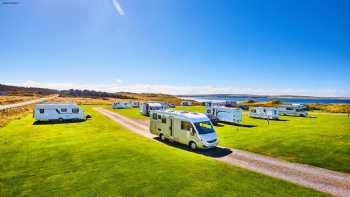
point(155, 104)
point(185, 115)
point(268, 108)
point(43, 105)
point(225, 108)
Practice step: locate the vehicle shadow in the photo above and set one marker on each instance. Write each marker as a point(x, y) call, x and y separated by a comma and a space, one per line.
point(235, 124)
point(281, 120)
point(216, 152)
point(57, 122)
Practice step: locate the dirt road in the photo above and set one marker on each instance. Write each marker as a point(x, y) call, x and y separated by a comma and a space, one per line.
point(24, 103)
point(335, 183)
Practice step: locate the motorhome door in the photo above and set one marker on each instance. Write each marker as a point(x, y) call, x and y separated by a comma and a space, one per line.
point(171, 126)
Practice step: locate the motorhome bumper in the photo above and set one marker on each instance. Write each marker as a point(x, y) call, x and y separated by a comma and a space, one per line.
point(210, 145)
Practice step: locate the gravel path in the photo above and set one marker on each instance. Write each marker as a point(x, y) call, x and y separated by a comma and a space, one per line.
point(332, 182)
point(24, 103)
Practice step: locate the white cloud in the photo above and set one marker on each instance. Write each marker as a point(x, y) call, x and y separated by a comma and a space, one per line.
point(119, 86)
point(118, 8)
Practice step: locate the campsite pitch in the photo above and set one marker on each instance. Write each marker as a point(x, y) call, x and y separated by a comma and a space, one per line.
point(99, 157)
point(322, 140)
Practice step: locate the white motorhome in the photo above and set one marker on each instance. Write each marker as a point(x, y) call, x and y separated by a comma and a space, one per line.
point(189, 128)
point(186, 103)
point(264, 112)
point(224, 114)
point(290, 110)
point(58, 111)
point(121, 105)
point(147, 107)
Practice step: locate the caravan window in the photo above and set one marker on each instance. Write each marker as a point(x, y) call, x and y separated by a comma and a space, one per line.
point(41, 111)
point(63, 109)
point(186, 125)
point(154, 116)
point(75, 110)
point(164, 119)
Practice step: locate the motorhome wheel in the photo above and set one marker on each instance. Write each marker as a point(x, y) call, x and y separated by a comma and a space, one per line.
point(193, 145)
point(162, 137)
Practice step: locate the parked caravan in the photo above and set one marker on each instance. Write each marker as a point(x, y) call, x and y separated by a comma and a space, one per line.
point(58, 111)
point(189, 128)
point(290, 110)
point(186, 103)
point(134, 104)
point(224, 114)
point(214, 103)
point(264, 112)
point(121, 105)
point(147, 107)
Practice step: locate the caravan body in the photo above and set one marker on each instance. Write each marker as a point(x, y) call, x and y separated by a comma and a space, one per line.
point(186, 103)
point(121, 105)
point(193, 129)
point(134, 103)
point(214, 103)
point(147, 107)
point(264, 112)
point(58, 111)
point(224, 114)
point(290, 110)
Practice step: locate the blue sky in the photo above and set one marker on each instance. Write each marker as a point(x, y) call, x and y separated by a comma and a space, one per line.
point(178, 46)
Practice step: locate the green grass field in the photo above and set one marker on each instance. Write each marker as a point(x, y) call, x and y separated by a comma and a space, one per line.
point(323, 140)
point(100, 158)
point(131, 113)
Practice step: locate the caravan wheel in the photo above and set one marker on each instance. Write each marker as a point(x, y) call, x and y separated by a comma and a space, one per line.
point(162, 137)
point(60, 120)
point(193, 145)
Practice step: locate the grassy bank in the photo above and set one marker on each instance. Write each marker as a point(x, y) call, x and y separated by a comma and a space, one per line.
point(4, 100)
point(98, 157)
point(323, 139)
point(9, 115)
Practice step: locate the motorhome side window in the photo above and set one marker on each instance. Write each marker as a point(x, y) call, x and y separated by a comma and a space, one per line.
point(163, 119)
point(75, 110)
point(154, 116)
point(41, 111)
point(63, 109)
point(186, 126)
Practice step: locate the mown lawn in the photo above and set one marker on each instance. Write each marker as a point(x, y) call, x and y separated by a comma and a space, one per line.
point(99, 157)
point(323, 139)
point(131, 112)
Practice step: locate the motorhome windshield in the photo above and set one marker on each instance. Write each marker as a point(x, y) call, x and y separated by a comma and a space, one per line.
point(204, 127)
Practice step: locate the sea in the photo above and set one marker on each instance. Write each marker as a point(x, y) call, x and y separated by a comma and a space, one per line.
point(263, 99)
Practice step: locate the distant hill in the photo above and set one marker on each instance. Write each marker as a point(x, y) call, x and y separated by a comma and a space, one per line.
point(155, 97)
point(34, 91)
point(25, 91)
point(255, 96)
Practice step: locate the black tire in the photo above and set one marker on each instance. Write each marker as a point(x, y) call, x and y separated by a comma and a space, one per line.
point(162, 137)
point(60, 120)
point(193, 146)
